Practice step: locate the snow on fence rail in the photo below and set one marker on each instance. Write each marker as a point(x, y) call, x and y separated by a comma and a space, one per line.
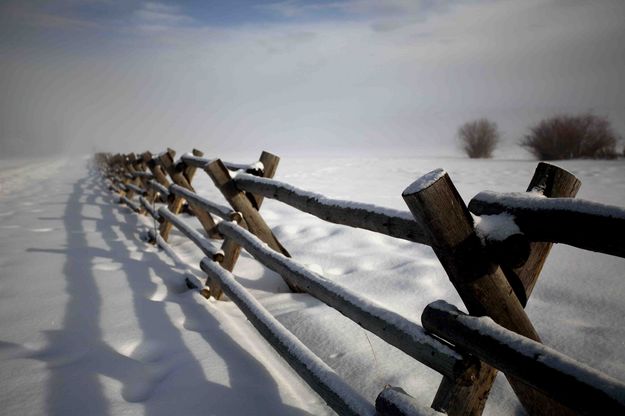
point(388, 221)
point(311, 368)
point(438, 217)
point(159, 188)
point(200, 162)
point(215, 209)
point(584, 224)
point(203, 244)
point(574, 384)
point(389, 326)
point(366, 216)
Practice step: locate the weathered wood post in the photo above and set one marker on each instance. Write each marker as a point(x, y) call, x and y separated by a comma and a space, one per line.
point(181, 178)
point(552, 182)
point(139, 182)
point(116, 173)
point(176, 202)
point(239, 201)
point(230, 248)
point(231, 252)
point(188, 171)
point(125, 175)
point(150, 195)
point(154, 165)
point(435, 203)
point(270, 165)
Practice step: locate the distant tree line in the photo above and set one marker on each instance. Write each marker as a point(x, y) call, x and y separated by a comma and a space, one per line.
point(583, 136)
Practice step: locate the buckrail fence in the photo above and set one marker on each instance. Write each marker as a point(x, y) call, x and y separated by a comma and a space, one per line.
point(494, 275)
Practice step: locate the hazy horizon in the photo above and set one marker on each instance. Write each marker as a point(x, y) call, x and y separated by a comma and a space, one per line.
point(318, 78)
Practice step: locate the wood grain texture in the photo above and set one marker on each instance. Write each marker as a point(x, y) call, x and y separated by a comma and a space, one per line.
point(482, 285)
point(240, 203)
point(552, 182)
point(577, 386)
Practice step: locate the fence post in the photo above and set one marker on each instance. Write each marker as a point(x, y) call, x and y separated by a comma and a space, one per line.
point(230, 248)
point(552, 182)
point(150, 195)
point(157, 172)
point(239, 201)
point(231, 252)
point(270, 165)
point(138, 166)
point(126, 169)
point(182, 176)
point(154, 164)
point(188, 172)
point(175, 206)
point(434, 202)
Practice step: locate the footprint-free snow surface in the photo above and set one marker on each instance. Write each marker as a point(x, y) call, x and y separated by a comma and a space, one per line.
point(96, 321)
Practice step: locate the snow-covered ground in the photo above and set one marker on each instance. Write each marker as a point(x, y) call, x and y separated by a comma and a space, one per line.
point(95, 321)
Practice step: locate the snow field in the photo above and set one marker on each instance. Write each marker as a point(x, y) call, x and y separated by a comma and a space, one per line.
point(95, 320)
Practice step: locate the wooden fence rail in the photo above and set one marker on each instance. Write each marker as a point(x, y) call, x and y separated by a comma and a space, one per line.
point(572, 383)
point(366, 216)
point(494, 275)
point(311, 368)
point(584, 224)
point(391, 327)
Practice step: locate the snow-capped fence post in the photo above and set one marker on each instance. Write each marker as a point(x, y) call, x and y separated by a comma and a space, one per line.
point(550, 181)
point(175, 204)
point(157, 171)
point(239, 201)
point(434, 202)
point(117, 170)
point(123, 177)
point(150, 193)
point(189, 170)
point(230, 248)
point(182, 176)
point(270, 165)
point(139, 183)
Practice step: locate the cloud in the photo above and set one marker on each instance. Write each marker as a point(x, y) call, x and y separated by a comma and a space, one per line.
point(152, 17)
point(320, 85)
point(34, 15)
point(370, 8)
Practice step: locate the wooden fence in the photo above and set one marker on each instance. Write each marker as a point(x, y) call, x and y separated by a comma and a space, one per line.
point(494, 274)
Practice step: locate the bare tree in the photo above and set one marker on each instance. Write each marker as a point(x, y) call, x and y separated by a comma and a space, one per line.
point(584, 136)
point(479, 138)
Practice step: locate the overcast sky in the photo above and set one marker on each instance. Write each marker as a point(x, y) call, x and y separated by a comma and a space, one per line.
point(326, 77)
